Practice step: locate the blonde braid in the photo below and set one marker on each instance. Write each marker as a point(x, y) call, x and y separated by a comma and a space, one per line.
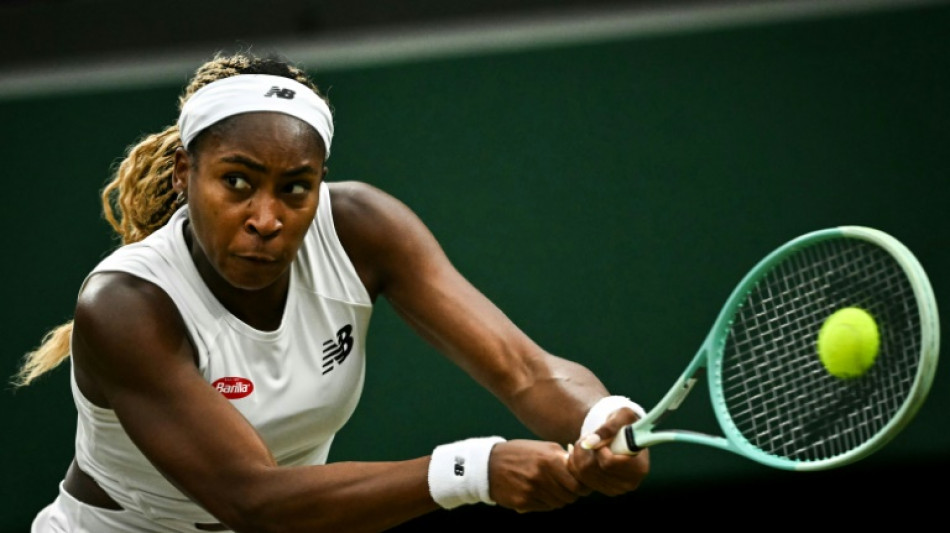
point(140, 198)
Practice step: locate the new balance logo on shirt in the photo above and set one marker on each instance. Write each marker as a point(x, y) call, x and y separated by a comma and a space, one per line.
point(336, 350)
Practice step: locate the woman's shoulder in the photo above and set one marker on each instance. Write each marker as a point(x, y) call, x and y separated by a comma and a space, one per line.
point(348, 196)
point(137, 275)
point(114, 289)
point(113, 299)
point(365, 204)
point(377, 230)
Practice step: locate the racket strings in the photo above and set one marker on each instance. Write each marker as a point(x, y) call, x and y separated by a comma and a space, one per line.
point(776, 392)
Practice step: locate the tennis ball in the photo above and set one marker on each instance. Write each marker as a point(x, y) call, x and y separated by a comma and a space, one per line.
point(848, 342)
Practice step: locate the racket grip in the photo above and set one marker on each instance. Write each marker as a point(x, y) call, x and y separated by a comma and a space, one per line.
point(625, 443)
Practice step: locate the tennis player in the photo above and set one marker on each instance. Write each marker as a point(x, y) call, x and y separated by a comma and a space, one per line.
point(215, 353)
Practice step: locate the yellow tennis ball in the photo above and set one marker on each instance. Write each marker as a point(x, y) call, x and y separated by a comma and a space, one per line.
point(848, 342)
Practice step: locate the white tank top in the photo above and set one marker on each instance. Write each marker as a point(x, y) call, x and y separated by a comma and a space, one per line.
point(297, 385)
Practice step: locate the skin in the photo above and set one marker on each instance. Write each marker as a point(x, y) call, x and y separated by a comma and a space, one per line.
point(252, 192)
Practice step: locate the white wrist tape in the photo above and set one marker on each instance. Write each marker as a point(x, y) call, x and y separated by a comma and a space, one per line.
point(458, 472)
point(604, 408)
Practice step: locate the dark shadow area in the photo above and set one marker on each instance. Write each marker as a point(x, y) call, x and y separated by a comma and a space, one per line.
point(52, 32)
point(851, 496)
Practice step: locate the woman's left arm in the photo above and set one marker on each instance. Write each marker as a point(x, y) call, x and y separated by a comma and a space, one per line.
point(397, 256)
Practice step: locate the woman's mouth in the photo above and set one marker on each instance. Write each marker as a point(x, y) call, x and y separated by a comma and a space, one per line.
point(258, 258)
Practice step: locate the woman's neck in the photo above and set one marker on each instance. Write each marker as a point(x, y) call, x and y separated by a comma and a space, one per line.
point(262, 309)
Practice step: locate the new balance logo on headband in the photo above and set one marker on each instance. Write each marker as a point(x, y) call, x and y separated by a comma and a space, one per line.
point(286, 94)
point(247, 93)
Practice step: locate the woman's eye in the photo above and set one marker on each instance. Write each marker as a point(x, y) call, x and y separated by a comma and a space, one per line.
point(298, 188)
point(236, 181)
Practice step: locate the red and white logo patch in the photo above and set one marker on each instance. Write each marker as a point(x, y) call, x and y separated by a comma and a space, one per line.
point(233, 388)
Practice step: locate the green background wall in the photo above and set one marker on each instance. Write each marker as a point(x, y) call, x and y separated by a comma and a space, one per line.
point(606, 195)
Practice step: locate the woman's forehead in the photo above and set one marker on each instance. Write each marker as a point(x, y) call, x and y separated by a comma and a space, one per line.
point(263, 129)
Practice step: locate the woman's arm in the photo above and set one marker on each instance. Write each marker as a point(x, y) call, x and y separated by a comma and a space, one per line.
point(398, 257)
point(132, 354)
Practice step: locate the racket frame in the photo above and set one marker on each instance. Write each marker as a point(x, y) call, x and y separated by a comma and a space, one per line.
point(642, 434)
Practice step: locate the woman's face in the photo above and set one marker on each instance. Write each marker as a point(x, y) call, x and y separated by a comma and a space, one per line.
point(252, 191)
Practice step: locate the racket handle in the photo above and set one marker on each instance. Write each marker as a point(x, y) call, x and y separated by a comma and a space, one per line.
point(625, 443)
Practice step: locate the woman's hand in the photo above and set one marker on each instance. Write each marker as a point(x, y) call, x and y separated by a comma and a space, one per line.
point(592, 463)
point(528, 475)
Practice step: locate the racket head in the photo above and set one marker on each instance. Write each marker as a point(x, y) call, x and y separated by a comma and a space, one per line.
point(773, 398)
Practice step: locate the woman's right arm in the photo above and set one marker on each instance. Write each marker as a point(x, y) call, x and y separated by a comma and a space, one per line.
point(132, 354)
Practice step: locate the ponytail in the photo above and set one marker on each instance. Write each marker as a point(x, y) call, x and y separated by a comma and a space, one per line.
point(52, 351)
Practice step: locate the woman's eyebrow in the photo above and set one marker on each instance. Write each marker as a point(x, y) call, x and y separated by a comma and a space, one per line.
point(254, 165)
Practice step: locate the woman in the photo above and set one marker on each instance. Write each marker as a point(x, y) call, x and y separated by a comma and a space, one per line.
point(215, 354)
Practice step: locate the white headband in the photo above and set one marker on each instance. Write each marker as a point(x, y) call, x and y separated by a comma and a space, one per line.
point(246, 93)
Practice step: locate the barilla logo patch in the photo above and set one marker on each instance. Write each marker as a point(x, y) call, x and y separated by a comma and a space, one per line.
point(233, 388)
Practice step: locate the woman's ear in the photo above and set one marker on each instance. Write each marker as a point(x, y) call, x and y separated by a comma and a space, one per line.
point(181, 171)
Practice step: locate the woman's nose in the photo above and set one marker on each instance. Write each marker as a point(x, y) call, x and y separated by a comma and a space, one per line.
point(265, 217)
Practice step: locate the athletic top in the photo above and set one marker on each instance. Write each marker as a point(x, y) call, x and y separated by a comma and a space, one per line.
point(297, 385)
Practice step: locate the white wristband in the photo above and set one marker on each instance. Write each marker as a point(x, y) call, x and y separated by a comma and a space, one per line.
point(603, 408)
point(458, 472)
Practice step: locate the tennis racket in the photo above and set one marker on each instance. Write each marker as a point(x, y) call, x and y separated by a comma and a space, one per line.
point(773, 399)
